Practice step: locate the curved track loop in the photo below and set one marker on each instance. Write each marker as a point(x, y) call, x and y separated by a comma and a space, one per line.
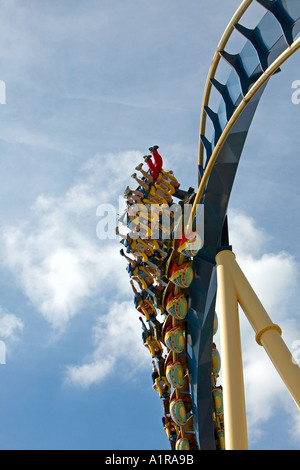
point(212, 71)
point(266, 48)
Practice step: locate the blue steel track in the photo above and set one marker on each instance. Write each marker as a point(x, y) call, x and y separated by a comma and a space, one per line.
point(276, 31)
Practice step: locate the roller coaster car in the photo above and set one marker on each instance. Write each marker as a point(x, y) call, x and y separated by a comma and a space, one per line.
point(168, 177)
point(157, 268)
point(189, 245)
point(182, 358)
point(175, 374)
point(156, 327)
point(172, 258)
point(157, 247)
point(182, 444)
point(178, 411)
point(175, 339)
point(163, 264)
point(168, 358)
point(181, 224)
point(181, 275)
point(170, 427)
point(217, 393)
point(179, 272)
point(185, 398)
point(166, 325)
point(143, 248)
point(141, 274)
point(216, 361)
point(156, 264)
point(216, 324)
point(147, 308)
point(150, 226)
point(148, 213)
point(189, 427)
point(178, 379)
point(186, 386)
point(159, 229)
point(162, 386)
point(220, 441)
point(155, 223)
point(158, 194)
point(164, 187)
point(156, 293)
point(144, 230)
point(175, 305)
point(154, 346)
point(188, 435)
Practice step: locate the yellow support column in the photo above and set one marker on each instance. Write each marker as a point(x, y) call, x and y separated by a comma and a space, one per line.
point(268, 334)
point(231, 355)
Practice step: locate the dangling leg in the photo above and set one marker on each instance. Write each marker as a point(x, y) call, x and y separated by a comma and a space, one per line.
point(152, 166)
point(157, 157)
point(141, 183)
point(145, 174)
point(130, 260)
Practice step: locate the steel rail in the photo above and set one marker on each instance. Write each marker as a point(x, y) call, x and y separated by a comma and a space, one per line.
point(255, 88)
point(212, 71)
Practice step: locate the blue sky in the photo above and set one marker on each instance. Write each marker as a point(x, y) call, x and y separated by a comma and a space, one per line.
point(90, 85)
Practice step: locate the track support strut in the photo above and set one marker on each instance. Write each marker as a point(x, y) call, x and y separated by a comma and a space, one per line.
point(233, 290)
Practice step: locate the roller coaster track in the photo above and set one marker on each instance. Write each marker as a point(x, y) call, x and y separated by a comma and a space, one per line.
point(266, 48)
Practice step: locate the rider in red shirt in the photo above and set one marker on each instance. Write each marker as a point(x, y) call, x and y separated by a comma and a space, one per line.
point(156, 166)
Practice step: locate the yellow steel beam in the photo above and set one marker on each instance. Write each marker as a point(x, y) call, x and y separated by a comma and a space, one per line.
point(233, 288)
point(231, 352)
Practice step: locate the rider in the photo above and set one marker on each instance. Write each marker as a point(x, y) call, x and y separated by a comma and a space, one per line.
point(139, 271)
point(156, 166)
point(144, 305)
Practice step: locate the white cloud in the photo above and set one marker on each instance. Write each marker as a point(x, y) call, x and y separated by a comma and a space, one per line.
point(10, 325)
point(10, 329)
point(55, 255)
point(112, 171)
point(55, 269)
point(295, 427)
point(91, 373)
point(118, 348)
